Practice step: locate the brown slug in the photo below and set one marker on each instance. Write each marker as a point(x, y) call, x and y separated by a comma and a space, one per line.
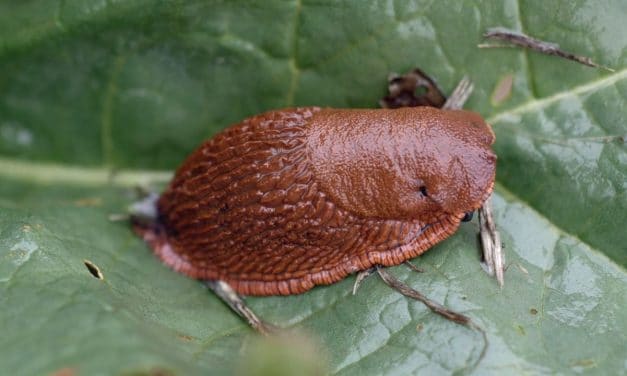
point(294, 198)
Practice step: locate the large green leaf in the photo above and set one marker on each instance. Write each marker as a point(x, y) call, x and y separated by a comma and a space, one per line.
point(97, 96)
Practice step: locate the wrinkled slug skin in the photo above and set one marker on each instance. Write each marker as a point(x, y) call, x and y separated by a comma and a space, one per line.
point(294, 198)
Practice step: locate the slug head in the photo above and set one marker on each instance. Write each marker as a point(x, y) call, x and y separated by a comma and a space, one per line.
point(415, 163)
point(453, 164)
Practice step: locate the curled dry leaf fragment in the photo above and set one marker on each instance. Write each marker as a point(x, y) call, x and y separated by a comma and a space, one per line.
point(403, 91)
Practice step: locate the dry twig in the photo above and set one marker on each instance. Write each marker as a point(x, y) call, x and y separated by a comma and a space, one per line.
point(525, 41)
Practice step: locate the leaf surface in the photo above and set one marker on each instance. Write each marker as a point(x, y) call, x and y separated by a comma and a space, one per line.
point(96, 97)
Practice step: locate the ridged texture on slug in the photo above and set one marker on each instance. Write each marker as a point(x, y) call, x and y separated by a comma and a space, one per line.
point(294, 198)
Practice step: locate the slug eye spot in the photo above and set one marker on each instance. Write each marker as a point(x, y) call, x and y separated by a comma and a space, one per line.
point(423, 191)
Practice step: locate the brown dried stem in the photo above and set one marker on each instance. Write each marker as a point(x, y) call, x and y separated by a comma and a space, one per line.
point(491, 243)
point(525, 41)
point(237, 304)
point(435, 307)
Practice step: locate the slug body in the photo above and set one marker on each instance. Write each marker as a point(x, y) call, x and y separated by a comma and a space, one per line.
point(294, 198)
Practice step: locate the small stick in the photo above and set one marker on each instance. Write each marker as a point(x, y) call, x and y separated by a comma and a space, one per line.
point(525, 41)
point(237, 304)
point(460, 95)
point(437, 308)
point(360, 277)
point(413, 267)
point(491, 243)
point(441, 310)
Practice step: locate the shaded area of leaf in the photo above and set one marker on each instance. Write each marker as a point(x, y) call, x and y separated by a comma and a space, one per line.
point(144, 314)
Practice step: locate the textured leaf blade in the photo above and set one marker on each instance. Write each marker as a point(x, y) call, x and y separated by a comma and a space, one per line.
point(90, 88)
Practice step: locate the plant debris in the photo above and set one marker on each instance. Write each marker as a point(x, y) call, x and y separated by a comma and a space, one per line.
point(403, 91)
point(519, 39)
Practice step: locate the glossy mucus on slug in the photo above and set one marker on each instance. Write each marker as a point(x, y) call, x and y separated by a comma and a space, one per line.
point(313, 195)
